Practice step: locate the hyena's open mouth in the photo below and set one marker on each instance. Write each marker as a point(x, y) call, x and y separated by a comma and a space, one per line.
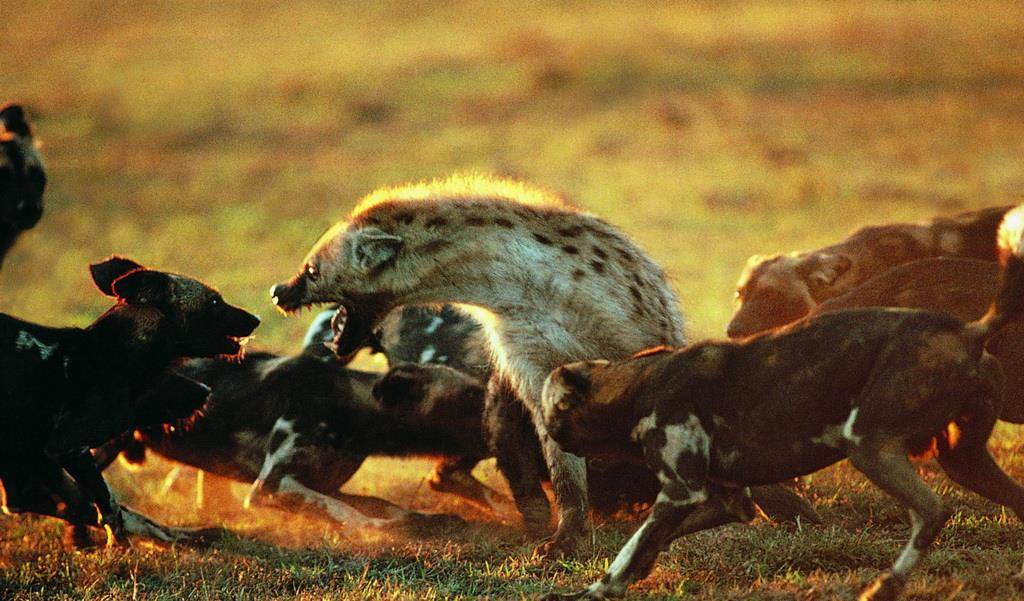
point(351, 330)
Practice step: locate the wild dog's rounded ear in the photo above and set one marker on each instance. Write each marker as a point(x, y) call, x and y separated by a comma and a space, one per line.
point(106, 272)
point(576, 376)
point(373, 248)
point(12, 116)
point(141, 286)
point(823, 269)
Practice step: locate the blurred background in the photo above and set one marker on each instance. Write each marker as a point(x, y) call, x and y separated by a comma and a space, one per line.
point(220, 139)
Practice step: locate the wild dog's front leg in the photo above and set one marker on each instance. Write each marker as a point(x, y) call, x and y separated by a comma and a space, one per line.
point(289, 490)
point(669, 519)
point(82, 467)
point(679, 451)
point(122, 522)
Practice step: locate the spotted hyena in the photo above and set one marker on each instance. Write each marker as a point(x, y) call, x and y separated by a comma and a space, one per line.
point(549, 284)
point(872, 385)
point(779, 289)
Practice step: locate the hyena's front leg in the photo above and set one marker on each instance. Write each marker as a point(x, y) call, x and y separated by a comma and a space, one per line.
point(512, 439)
point(569, 481)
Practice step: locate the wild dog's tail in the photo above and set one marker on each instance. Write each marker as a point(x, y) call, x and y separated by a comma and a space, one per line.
point(1008, 305)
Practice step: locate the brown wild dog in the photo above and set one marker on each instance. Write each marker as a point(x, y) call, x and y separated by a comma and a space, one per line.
point(779, 289)
point(961, 287)
point(550, 285)
point(872, 385)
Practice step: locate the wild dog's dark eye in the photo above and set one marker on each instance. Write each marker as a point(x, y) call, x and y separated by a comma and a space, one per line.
point(312, 272)
point(216, 301)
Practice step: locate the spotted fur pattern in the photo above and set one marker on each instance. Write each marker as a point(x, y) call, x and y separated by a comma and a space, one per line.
point(548, 283)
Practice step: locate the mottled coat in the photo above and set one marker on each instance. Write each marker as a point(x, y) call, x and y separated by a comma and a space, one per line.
point(871, 385)
point(961, 287)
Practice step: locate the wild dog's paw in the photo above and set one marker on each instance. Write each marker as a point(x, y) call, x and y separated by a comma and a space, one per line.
point(78, 537)
point(425, 524)
point(199, 537)
point(584, 594)
point(886, 588)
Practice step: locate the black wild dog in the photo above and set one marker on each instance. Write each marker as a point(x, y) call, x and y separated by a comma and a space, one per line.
point(871, 385)
point(22, 178)
point(960, 287)
point(776, 290)
point(66, 390)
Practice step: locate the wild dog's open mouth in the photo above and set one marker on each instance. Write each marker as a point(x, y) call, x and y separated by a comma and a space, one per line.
point(234, 345)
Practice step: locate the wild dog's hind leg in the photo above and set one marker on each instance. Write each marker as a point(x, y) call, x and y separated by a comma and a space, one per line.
point(964, 454)
point(885, 463)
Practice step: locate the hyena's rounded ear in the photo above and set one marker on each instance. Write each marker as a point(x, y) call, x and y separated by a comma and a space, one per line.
point(823, 269)
point(106, 272)
point(373, 249)
point(12, 116)
point(141, 286)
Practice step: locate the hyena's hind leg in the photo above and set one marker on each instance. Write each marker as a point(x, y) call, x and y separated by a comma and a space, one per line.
point(890, 469)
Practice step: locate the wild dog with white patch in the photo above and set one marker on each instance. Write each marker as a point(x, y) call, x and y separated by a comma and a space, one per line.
point(66, 390)
point(309, 421)
point(22, 177)
point(776, 290)
point(549, 284)
point(871, 385)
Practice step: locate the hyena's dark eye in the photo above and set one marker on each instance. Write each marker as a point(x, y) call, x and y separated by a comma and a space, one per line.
point(312, 272)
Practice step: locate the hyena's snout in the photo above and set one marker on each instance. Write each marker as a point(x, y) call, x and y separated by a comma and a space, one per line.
point(289, 296)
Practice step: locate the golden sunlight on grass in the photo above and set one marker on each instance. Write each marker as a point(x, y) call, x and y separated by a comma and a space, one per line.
point(220, 139)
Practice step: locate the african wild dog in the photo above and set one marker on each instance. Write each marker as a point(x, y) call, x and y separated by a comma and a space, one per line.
point(65, 390)
point(871, 385)
point(548, 283)
point(776, 290)
point(22, 178)
point(961, 287)
point(301, 426)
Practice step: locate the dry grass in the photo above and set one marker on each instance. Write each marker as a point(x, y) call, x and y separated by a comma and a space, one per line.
point(220, 138)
